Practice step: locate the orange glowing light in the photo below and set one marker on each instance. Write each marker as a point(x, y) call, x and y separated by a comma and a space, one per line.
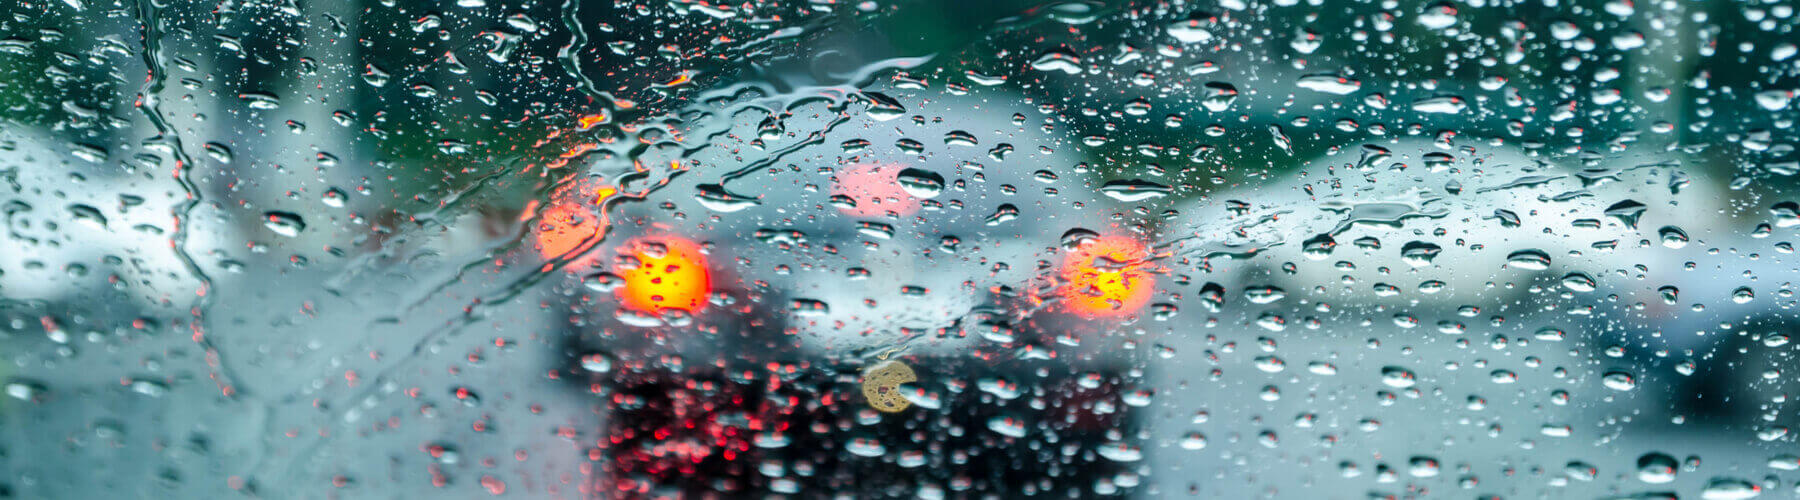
point(569, 218)
point(1107, 277)
point(590, 121)
point(580, 149)
point(874, 190)
point(684, 77)
point(563, 226)
point(670, 273)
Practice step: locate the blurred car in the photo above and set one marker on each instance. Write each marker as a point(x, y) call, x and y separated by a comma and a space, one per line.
point(740, 368)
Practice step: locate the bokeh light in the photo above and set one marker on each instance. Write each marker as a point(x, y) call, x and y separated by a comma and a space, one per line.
point(1107, 277)
point(874, 189)
point(666, 272)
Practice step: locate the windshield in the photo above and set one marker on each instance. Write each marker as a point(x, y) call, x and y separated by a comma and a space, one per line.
point(978, 249)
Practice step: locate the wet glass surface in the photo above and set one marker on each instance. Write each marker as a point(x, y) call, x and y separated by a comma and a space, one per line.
point(809, 249)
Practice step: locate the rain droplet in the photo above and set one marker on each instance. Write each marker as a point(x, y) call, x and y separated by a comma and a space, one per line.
point(1672, 237)
point(287, 224)
point(1397, 377)
point(921, 183)
point(1534, 260)
point(1657, 468)
point(1129, 190)
point(1619, 381)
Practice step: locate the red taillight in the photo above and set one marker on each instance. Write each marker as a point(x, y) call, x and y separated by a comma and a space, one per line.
point(1107, 277)
point(670, 273)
